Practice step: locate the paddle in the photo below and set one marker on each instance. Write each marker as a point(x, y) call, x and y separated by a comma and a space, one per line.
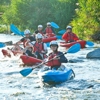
point(14, 29)
point(89, 43)
point(53, 24)
point(3, 44)
point(62, 32)
point(73, 49)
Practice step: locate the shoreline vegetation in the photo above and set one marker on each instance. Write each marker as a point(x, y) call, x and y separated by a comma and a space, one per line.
point(82, 15)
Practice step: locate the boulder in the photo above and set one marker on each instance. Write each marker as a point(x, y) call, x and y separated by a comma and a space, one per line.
point(94, 54)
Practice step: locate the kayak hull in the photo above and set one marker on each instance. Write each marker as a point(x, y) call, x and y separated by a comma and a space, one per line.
point(45, 40)
point(30, 60)
point(68, 45)
point(55, 76)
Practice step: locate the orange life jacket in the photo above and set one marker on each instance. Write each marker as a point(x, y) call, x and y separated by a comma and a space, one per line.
point(54, 62)
point(38, 47)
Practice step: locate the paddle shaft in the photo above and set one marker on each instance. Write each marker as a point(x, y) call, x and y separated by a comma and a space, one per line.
point(49, 60)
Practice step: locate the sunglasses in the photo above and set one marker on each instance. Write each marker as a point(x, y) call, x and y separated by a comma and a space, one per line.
point(54, 45)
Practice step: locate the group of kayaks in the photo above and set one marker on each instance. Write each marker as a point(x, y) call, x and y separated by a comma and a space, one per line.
point(53, 76)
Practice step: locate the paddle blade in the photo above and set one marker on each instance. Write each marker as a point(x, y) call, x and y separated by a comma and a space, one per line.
point(62, 31)
point(48, 44)
point(89, 43)
point(54, 25)
point(26, 72)
point(2, 45)
point(74, 48)
point(59, 37)
point(15, 30)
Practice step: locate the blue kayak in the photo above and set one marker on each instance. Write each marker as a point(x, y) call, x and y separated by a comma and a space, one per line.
point(55, 76)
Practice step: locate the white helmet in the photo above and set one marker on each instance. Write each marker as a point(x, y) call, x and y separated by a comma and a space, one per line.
point(53, 43)
point(40, 26)
point(39, 36)
point(27, 31)
point(48, 23)
point(68, 27)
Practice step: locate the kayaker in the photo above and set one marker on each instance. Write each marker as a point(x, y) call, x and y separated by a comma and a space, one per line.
point(56, 62)
point(39, 30)
point(69, 36)
point(49, 32)
point(39, 48)
point(27, 36)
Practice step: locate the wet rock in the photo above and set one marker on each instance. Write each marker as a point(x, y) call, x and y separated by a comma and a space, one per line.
point(75, 61)
point(94, 54)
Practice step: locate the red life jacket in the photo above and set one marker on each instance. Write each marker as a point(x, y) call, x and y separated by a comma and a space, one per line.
point(49, 32)
point(38, 47)
point(53, 62)
point(70, 37)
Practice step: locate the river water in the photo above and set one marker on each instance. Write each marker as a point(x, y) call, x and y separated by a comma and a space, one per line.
point(85, 85)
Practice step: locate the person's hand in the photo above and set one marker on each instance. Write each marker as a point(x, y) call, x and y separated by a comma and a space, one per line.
point(56, 58)
point(28, 40)
point(42, 51)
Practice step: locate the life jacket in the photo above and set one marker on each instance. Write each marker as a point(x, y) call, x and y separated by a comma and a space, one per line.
point(70, 37)
point(49, 32)
point(38, 47)
point(54, 62)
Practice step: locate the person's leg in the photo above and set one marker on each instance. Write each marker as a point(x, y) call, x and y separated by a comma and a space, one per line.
point(29, 53)
point(38, 55)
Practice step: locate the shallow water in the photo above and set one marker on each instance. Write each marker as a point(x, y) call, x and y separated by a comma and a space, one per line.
point(85, 86)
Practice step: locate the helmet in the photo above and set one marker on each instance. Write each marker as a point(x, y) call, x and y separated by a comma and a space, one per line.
point(40, 26)
point(68, 27)
point(48, 23)
point(53, 43)
point(39, 35)
point(27, 31)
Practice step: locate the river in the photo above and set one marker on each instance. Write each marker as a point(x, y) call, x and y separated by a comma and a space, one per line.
point(85, 85)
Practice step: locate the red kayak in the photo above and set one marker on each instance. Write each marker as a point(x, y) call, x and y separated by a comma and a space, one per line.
point(67, 45)
point(49, 39)
point(30, 60)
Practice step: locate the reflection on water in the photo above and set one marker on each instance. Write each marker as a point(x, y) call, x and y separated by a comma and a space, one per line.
point(85, 86)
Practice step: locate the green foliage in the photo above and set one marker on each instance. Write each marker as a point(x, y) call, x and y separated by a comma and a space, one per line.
point(3, 28)
point(30, 13)
point(87, 20)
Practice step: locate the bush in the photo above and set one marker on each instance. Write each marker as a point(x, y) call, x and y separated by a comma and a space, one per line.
point(3, 28)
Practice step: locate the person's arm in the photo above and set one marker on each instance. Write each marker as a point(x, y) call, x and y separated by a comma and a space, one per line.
point(75, 37)
point(62, 59)
point(20, 41)
point(44, 31)
point(64, 37)
point(53, 30)
point(45, 48)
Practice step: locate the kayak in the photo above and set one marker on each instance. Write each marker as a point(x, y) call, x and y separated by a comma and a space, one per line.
point(68, 45)
point(55, 76)
point(30, 60)
point(45, 40)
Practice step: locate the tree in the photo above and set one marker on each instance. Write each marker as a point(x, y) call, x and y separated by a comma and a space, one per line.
point(30, 13)
point(87, 20)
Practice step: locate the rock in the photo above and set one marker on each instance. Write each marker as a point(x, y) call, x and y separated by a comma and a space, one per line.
point(94, 54)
